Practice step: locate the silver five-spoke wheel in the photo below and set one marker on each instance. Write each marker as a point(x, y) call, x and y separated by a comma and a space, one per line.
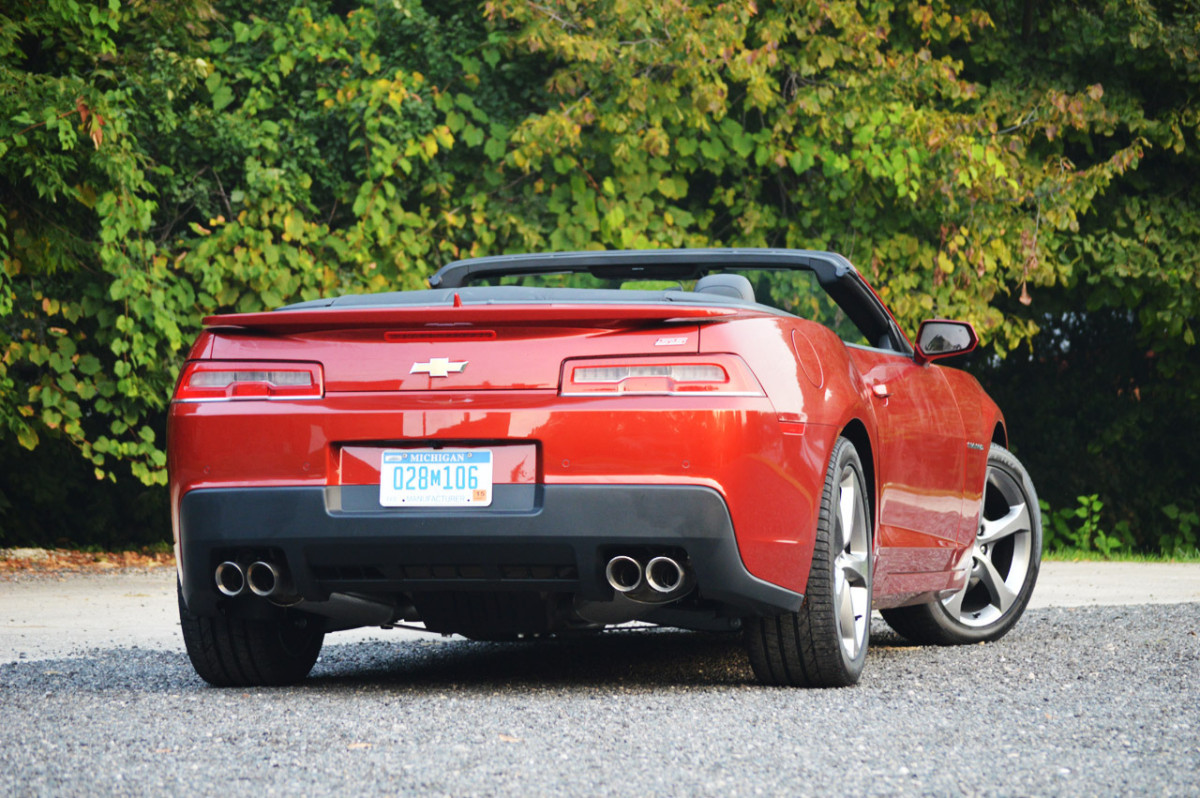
point(851, 574)
point(1002, 565)
point(1000, 557)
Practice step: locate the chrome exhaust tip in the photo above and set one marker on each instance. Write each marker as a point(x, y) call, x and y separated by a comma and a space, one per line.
point(264, 579)
point(664, 575)
point(231, 580)
point(623, 573)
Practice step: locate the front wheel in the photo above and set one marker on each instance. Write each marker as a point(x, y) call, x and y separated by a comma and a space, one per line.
point(1004, 562)
point(824, 643)
point(233, 652)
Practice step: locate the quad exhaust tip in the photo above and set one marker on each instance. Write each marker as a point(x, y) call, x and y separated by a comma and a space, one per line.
point(661, 579)
point(664, 575)
point(624, 574)
point(231, 579)
point(261, 577)
point(264, 579)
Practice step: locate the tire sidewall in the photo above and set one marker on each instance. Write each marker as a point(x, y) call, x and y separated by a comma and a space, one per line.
point(845, 455)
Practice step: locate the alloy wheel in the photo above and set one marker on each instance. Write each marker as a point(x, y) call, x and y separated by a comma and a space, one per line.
point(1000, 557)
point(851, 571)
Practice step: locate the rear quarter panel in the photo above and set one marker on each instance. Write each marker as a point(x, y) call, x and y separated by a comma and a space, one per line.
point(814, 389)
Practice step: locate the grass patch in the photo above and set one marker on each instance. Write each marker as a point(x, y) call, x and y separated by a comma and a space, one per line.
point(1076, 555)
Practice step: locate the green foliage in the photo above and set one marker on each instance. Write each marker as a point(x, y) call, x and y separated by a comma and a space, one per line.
point(1062, 535)
point(151, 174)
point(826, 125)
point(1183, 540)
point(1136, 249)
point(90, 310)
point(1105, 396)
point(161, 162)
point(51, 500)
point(1079, 528)
point(1092, 413)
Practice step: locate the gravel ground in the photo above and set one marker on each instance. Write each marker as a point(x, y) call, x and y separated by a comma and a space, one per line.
point(1088, 700)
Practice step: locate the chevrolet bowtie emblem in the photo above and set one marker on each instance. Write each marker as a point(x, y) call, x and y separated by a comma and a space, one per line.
point(438, 367)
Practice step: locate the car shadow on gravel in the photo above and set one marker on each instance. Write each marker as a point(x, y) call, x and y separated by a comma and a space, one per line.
point(1081, 642)
point(644, 658)
point(626, 658)
point(630, 658)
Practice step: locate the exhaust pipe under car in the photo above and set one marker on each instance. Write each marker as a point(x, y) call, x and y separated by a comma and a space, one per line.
point(664, 575)
point(640, 589)
point(231, 579)
point(662, 579)
point(624, 574)
point(270, 581)
point(267, 580)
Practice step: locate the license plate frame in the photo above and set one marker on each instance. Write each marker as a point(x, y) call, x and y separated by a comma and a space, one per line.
point(415, 477)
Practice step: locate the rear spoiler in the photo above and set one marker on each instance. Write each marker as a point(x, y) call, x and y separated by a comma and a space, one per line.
point(582, 315)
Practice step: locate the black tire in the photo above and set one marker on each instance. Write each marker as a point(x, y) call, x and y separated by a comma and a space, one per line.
point(1004, 566)
point(824, 643)
point(231, 652)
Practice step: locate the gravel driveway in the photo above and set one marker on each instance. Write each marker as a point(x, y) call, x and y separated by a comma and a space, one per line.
point(1077, 700)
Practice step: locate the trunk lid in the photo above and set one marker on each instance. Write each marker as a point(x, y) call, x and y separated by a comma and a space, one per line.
point(510, 347)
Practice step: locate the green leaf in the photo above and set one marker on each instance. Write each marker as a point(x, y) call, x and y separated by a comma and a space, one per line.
point(472, 135)
point(293, 226)
point(222, 96)
point(27, 437)
point(495, 148)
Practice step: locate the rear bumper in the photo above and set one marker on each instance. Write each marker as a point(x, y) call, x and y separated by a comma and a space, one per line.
point(539, 538)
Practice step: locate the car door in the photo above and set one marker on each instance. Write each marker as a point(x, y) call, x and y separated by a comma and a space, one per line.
point(920, 461)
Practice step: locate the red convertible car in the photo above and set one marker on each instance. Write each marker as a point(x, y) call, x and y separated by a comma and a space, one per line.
point(733, 439)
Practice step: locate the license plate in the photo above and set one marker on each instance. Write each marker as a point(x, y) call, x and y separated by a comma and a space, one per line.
point(436, 478)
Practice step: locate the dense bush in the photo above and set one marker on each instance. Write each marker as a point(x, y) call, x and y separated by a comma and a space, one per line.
point(1103, 401)
point(1023, 165)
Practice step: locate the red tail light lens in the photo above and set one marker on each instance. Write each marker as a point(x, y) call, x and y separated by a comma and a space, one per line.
point(726, 375)
point(217, 380)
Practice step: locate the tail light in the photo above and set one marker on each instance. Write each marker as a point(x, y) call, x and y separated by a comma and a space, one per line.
point(217, 380)
point(724, 375)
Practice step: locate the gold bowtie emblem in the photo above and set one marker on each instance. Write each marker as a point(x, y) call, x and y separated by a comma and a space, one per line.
point(438, 367)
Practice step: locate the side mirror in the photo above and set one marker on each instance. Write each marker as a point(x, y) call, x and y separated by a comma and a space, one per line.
point(938, 338)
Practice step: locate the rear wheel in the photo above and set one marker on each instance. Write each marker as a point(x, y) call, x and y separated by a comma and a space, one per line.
point(1004, 566)
point(824, 643)
point(232, 652)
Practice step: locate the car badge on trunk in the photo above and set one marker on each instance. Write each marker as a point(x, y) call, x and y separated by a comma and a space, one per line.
point(438, 367)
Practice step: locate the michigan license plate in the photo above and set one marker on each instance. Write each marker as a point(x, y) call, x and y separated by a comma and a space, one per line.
point(436, 478)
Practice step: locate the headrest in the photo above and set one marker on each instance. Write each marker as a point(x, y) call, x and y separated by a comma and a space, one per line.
point(734, 285)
